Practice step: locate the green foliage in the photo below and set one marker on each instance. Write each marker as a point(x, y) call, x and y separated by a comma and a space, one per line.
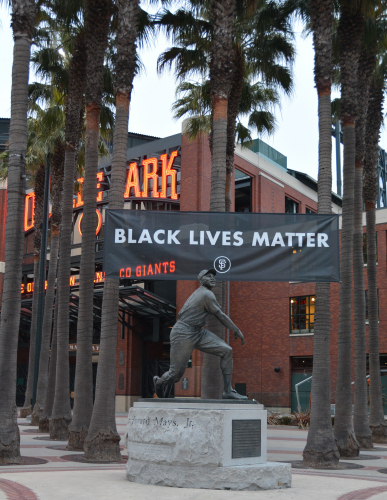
point(262, 36)
point(4, 164)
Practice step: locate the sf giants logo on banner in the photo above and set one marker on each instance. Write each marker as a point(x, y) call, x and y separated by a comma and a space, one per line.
point(150, 180)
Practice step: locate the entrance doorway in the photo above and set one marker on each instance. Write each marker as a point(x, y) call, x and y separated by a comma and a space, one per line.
point(301, 370)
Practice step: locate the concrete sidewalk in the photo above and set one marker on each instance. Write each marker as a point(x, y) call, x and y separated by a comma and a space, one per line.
point(60, 479)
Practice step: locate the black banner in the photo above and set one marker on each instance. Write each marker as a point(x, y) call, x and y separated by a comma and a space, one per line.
point(164, 245)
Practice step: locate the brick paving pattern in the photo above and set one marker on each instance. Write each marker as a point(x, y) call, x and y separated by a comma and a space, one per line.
point(15, 491)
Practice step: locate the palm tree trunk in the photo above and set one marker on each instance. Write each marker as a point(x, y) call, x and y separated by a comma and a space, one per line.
point(23, 17)
point(349, 33)
point(360, 420)
point(232, 114)
point(44, 421)
point(374, 120)
point(344, 432)
point(39, 200)
point(56, 190)
point(221, 72)
point(97, 25)
point(61, 411)
point(38, 214)
point(102, 442)
point(321, 449)
point(27, 409)
point(83, 388)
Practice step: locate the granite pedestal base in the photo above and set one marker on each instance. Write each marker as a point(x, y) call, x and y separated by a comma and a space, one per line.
point(200, 444)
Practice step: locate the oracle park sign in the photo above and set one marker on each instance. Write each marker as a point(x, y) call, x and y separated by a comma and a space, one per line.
point(168, 245)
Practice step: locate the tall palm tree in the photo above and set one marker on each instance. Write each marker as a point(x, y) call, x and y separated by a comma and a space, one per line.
point(96, 27)
point(46, 380)
point(45, 129)
point(321, 449)
point(374, 121)
point(222, 13)
point(23, 18)
point(37, 162)
point(44, 420)
point(196, 34)
point(102, 442)
point(350, 31)
point(57, 166)
point(61, 411)
point(38, 205)
point(360, 414)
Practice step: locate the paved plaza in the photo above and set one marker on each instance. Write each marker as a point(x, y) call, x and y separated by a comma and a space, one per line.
point(58, 478)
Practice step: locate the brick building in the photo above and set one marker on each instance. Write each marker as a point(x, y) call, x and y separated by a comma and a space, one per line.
point(276, 318)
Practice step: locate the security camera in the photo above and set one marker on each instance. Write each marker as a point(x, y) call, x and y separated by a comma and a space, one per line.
point(277, 369)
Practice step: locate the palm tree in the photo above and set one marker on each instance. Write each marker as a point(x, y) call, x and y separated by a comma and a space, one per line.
point(45, 133)
point(44, 420)
point(96, 27)
point(320, 449)
point(365, 71)
point(35, 162)
point(45, 392)
point(102, 442)
point(350, 32)
point(61, 411)
point(23, 18)
point(57, 165)
point(196, 32)
point(374, 121)
point(39, 197)
point(39, 138)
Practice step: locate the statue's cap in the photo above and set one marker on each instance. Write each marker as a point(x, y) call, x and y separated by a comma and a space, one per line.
point(206, 271)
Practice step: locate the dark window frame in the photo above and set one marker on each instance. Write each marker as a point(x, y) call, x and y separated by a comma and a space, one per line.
point(299, 316)
point(296, 205)
point(243, 183)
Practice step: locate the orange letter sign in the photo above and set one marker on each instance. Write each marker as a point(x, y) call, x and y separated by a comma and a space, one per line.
point(168, 171)
point(132, 181)
point(29, 211)
point(150, 175)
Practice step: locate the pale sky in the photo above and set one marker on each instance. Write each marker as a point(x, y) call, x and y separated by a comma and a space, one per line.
point(153, 96)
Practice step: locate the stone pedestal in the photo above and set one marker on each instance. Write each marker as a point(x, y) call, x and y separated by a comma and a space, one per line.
point(201, 444)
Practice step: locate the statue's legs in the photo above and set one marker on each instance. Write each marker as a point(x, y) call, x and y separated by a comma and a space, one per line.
point(212, 344)
point(183, 341)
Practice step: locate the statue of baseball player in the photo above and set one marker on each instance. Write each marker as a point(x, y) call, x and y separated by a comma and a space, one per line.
point(188, 334)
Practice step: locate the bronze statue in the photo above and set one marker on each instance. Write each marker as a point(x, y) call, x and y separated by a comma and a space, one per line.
point(188, 334)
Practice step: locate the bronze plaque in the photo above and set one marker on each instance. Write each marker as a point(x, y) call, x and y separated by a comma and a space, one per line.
point(246, 438)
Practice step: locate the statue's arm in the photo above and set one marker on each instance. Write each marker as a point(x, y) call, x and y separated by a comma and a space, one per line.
point(226, 322)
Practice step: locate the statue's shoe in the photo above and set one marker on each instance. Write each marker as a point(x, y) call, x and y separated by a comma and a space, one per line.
point(233, 395)
point(158, 388)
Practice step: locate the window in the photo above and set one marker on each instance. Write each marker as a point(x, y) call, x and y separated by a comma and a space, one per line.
point(365, 247)
point(310, 211)
point(242, 192)
point(302, 314)
point(291, 206)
